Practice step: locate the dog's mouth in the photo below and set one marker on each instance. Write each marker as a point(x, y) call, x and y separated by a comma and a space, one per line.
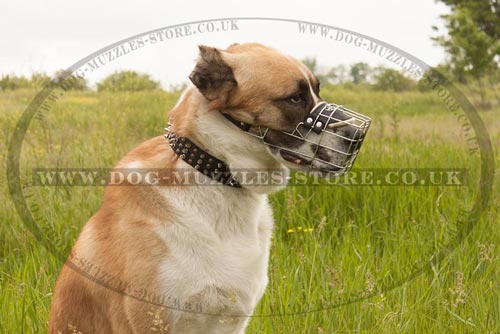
point(294, 158)
point(301, 161)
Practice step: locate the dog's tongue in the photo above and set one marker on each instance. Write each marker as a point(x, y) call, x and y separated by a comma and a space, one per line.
point(293, 157)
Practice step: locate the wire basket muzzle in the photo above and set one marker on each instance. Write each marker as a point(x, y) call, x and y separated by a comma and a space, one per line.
point(327, 141)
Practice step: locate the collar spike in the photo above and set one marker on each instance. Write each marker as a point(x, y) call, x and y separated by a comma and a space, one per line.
point(183, 147)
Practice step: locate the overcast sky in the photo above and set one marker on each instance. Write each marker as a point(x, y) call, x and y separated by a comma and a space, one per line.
point(50, 35)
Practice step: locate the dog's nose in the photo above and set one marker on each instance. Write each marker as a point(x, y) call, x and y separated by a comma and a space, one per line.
point(354, 133)
point(338, 116)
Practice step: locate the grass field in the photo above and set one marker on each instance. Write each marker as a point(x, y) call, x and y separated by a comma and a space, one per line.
point(337, 248)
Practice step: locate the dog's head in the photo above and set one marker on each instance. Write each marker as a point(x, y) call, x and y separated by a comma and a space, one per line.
point(269, 90)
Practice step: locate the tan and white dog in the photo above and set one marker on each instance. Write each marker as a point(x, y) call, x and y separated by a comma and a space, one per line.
point(202, 249)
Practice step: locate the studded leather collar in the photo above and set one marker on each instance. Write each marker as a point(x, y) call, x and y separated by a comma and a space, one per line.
point(200, 160)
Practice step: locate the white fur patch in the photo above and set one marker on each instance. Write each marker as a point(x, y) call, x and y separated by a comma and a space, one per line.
point(219, 249)
point(220, 238)
point(133, 165)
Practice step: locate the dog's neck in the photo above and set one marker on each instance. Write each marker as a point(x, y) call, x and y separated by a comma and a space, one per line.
point(219, 137)
point(201, 160)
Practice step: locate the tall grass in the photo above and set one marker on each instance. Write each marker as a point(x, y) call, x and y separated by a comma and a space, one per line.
point(332, 244)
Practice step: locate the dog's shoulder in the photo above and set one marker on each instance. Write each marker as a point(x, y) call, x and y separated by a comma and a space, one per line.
point(132, 193)
point(153, 153)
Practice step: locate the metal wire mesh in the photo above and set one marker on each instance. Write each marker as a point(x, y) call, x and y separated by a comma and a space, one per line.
point(331, 124)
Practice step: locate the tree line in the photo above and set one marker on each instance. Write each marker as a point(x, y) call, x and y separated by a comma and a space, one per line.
point(472, 45)
point(471, 42)
point(118, 81)
point(380, 78)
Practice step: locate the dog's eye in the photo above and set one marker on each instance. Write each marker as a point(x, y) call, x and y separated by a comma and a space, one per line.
point(297, 98)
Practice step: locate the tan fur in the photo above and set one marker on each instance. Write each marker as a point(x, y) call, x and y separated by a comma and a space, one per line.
point(122, 238)
point(119, 238)
point(277, 75)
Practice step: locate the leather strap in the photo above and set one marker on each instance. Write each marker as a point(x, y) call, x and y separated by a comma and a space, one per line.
point(243, 126)
point(200, 160)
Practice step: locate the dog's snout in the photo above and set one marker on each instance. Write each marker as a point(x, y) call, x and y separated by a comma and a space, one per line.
point(347, 125)
point(339, 116)
point(354, 133)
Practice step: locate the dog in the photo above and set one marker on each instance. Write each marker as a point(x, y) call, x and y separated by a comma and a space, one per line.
point(192, 258)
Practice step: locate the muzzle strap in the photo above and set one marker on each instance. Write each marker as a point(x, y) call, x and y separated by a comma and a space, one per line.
point(316, 121)
point(243, 126)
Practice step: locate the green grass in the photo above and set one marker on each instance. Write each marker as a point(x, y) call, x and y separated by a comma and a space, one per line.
point(363, 239)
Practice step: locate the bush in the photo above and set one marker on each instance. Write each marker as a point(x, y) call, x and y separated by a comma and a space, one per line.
point(359, 73)
point(390, 79)
point(128, 81)
point(11, 82)
point(68, 81)
point(40, 80)
point(438, 73)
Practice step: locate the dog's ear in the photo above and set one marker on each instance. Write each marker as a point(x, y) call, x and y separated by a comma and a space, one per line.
point(213, 77)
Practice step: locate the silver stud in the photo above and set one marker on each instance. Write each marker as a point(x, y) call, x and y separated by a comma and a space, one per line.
point(319, 125)
point(177, 151)
point(208, 165)
point(205, 171)
point(216, 170)
point(182, 156)
point(210, 160)
point(309, 120)
point(199, 161)
point(202, 156)
point(190, 160)
point(183, 139)
point(219, 165)
point(185, 151)
point(188, 145)
point(195, 150)
point(197, 167)
point(192, 155)
point(241, 123)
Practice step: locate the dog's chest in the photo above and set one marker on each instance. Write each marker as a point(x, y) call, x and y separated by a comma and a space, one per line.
point(218, 249)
